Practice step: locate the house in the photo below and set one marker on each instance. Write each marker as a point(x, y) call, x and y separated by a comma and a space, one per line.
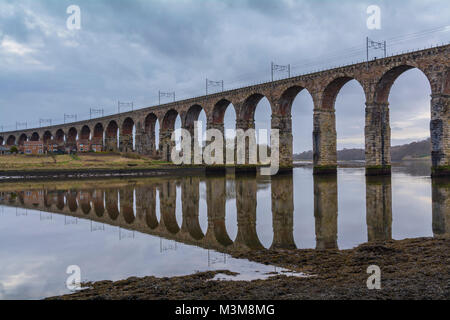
point(86, 145)
point(83, 145)
point(4, 150)
point(51, 146)
point(33, 147)
point(97, 144)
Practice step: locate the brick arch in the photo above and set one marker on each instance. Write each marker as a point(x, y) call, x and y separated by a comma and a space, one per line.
point(111, 129)
point(72, 136)
point(384, 84)
point(332, 90)
point(127, 126)
point(169, 119)
point(23, 137)
point(285, 101)
point(98, 131)
point(85, 133)
point(34, 136)
point(47, 136)
point(11, 140)
point(192, 115)
point(219, 109)
point(59, 136)
point(248, 108)
point(150, 122)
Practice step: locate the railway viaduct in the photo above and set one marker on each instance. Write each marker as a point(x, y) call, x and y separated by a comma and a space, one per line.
point(375, 77)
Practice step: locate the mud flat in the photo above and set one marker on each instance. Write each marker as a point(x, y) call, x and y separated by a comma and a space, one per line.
point(410, 269)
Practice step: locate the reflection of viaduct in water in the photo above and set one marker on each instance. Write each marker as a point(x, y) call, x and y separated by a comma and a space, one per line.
point(134, 207)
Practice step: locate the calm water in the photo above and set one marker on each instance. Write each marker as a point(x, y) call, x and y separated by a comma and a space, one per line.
point(114, 229)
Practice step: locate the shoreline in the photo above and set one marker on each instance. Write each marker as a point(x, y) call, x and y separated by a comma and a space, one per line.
point(37, 174)
point(69, 174)
point(410, 269)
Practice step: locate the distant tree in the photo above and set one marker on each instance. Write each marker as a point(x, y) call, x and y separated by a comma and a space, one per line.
point(14, 150)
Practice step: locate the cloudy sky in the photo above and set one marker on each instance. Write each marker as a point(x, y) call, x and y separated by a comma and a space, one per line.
point(128, 50)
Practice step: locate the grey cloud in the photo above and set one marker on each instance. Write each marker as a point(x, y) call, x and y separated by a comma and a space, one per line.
point(128, 50)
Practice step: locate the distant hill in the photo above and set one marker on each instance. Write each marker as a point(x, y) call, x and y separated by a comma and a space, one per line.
point(411, 150)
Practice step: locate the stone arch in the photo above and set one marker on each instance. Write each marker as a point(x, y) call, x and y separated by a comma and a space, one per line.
point(11, 140)
point(127, 126)
point(111, 129)
point(98, 131)
point(23, 137)
point(167, 127)
point(169, 119)
point(1, 140)
point(35, 137)
point(386, 81)
point(378, 129)
point(126, 135)
point(72, 136)
point(284, 103)
point(149, 140)
point(111, 136)
point(192, 115)
point(150, 123)
point(85, 133)
point(248, 108)
point(332, 89)
point(47, 137)
point(59, 136)
point(219, 109)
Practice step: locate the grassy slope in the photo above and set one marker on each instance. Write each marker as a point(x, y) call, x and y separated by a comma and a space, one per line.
point(77, 162)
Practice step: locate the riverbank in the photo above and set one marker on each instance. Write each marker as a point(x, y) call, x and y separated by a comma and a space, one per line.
point(82, 166)
point(410, 269)
point(86, 161)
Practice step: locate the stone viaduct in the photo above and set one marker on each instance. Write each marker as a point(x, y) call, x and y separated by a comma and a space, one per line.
point(375, 77)
point(114, 205)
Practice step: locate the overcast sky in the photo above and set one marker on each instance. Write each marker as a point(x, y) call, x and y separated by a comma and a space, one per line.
point(128, 50)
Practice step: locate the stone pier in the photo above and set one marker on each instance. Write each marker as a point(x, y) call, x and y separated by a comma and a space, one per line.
point(324, 142)
point(378, 139)
point(440, 134)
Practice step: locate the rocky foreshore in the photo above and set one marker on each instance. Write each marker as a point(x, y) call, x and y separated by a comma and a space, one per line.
point(410, 269)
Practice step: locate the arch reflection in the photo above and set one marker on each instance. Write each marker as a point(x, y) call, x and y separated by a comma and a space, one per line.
point(133, 206)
